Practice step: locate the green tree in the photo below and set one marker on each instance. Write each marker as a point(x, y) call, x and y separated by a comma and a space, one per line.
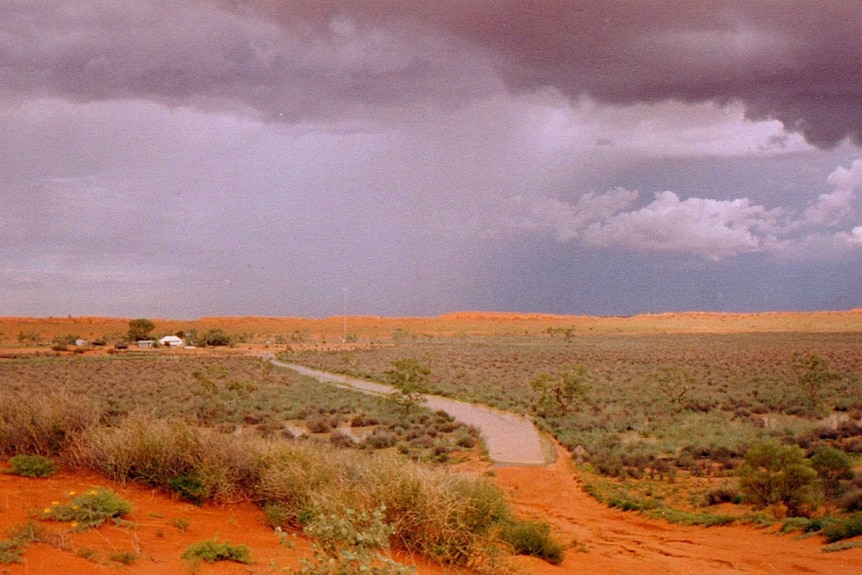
point(673, 383)
point(812, 375)
point(833, 467)
point(773, 474)
point(215, 337)
point(560, 392)
point(409, 378)
point(140, 329)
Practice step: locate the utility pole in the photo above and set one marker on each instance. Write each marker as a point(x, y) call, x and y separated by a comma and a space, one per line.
point(344, 338)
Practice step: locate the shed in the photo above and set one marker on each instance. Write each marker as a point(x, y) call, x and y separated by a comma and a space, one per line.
point(172, 341)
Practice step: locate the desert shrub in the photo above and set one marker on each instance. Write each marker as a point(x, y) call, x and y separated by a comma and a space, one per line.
point(534, 539)
point(10, 552)
point(449, 518)
point(32, 466)
point(319, 424)
point(833, 469)
point(88, 509)
point(123, 557)
point(846, 528)
point(341, 440)
point(212, 551)
point(362, 420)
point(300, 479)
point(777, 474)
point(158, 452)
point(350, 542)
point(42, 424)
point(723, 493)
point(188, 486)
point(215, 337)
point(852, 501)
point(464, 439)
point(276, 515)
point(379, 439)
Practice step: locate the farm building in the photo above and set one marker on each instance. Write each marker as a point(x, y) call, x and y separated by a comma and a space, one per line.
point(172, 341)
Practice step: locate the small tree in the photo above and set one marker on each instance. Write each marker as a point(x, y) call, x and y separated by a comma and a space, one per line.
point(833, 467)
point(409, 378)
point(140, 329)
point(215, 337)
point(773, 474)
point(812, 375)
point(674, 383)
point(560, 392)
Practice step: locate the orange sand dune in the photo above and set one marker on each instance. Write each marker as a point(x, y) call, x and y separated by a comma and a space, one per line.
point(261, 328)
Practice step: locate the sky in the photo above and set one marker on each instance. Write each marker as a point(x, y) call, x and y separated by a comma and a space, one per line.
point(269, 157)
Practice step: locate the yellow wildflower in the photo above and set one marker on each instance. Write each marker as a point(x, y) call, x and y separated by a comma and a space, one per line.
point(93, 492)
point(74, 508)
point(55, 503)
point(71, 493)
point(74, 524)
point(46, 511)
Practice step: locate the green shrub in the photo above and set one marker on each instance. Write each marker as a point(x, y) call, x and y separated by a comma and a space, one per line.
point(723, 493)
point(846, 528)
point(188, 487)
point(10, 552)
point(215, 337)
point(212, 551)
point(276, 516)
point(88, 509)
point(774, 473)
point(534, 539)
point(351, 542)
point(32, 466)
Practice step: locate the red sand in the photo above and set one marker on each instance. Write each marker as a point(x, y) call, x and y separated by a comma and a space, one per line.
point(610, 541)
point(606, 541)
point(150, 532)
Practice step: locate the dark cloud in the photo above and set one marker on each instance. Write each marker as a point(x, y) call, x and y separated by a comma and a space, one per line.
point(800, 63)
point(240, 157)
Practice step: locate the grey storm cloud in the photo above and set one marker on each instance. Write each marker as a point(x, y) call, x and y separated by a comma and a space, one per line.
point(799, 63)
point(257, 156)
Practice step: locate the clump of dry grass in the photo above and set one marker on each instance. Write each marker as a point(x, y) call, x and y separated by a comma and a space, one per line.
point(200, 464)
point(43, 424)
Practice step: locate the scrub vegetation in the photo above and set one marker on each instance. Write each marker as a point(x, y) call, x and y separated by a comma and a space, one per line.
point(696, 428)
point(235, 428)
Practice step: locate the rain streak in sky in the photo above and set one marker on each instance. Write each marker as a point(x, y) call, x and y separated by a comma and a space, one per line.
point(269, 157)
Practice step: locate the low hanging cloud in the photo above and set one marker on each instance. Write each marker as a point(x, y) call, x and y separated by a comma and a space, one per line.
point(708, 228)
point(326, 60)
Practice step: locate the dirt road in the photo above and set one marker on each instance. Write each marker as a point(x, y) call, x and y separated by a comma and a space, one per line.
point(510, 439)
point(607, 541)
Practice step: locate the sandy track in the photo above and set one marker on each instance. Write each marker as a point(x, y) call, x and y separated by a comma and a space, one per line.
point(510, 439)
point(607, 541)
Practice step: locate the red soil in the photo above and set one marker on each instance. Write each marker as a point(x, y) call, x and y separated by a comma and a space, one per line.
point(610, 542)
point(150, 532)
point(605, 541)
